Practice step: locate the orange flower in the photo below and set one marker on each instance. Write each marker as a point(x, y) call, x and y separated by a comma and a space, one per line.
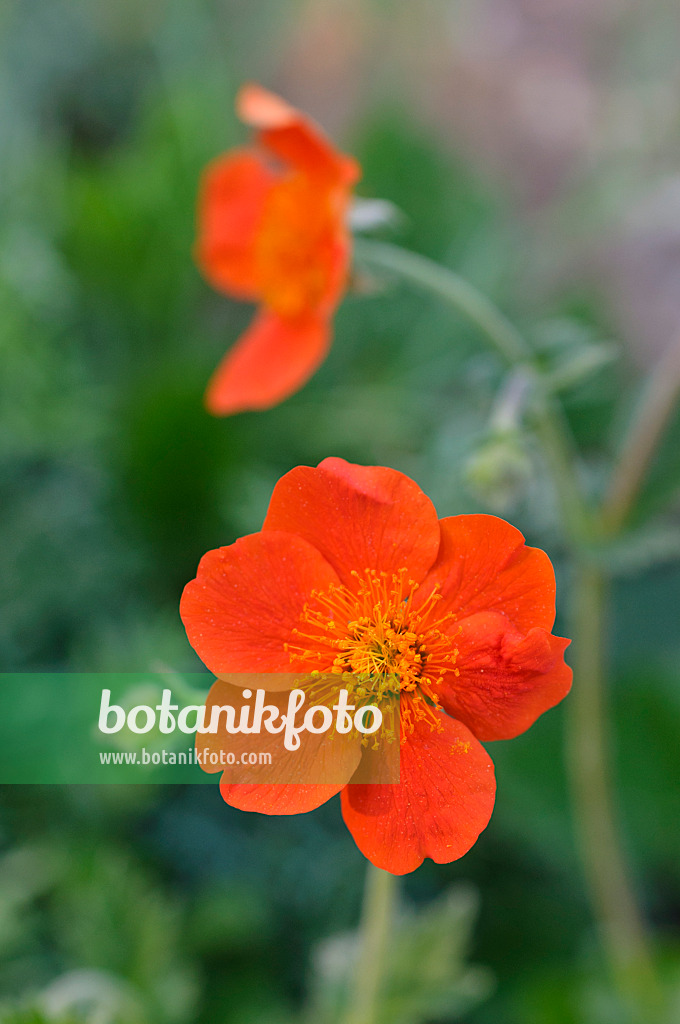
point(352, 573)
point(272, 228)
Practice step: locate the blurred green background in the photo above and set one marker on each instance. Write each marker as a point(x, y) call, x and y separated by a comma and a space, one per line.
point(530, 144)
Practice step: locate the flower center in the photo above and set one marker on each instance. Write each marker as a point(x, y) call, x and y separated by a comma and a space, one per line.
point(293, 246)
point(380, 644)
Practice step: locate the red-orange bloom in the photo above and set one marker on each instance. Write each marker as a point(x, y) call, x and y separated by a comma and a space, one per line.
point(354, 573)
point(272, 229)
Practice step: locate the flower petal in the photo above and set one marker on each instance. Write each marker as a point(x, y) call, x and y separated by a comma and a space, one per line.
point(290, 136)
point(247, 598)
point(268, 363)
point(358, 517)
point(232, 199)
point(295, 781)
point(484, 565)
point(506, 678)
point(277, 799)
point(443, 802)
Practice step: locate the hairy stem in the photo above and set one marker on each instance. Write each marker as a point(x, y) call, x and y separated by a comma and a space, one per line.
point(621, 926)
point(612, 895)
point(376, 922)
point(506, 340)
point(455, 290)
point(655, 408)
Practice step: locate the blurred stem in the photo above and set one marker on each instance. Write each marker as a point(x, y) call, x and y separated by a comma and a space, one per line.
point(655, 408)
point(376, 924)
point(548, 420)
point(555, 439)
point(445, 283)
point(622, 929)
point(612, 896)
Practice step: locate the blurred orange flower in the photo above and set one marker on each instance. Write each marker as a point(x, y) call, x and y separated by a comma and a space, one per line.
point(272, 228)
point(447, 621)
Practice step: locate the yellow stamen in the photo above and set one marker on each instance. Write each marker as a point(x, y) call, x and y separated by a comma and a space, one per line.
point(380, 644)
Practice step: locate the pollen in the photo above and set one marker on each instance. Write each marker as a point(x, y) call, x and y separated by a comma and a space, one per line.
point(380, 637)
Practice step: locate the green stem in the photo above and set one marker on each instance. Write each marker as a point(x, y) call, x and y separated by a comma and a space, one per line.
point(555, 438)
point(655, 408)
point(549, 422)
point(622, 930)
point(623, 933)
point(455, 290)
point(376, 923)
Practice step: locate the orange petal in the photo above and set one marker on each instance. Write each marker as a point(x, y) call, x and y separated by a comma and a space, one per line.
point(272, 681)
point(484, 565)
point(232, 198)
point(358, 517)
point(295, 781)
point(443, 802)
point(271, 361)
point(290, 136)
point(247, 598)
point(277, 799)
point(507, 679)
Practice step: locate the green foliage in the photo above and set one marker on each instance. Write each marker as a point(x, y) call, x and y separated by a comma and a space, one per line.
point(443, 206)
point(29, 1016)
point(106, 917)
point(427, 978)
point(136, 906)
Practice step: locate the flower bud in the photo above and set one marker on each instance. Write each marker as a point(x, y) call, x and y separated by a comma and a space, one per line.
point(499, 471)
